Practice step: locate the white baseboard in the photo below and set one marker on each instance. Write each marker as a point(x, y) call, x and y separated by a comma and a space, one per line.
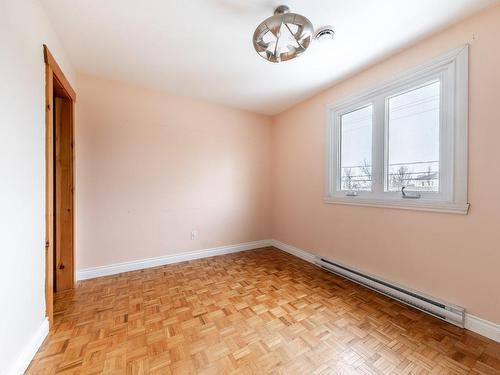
point(483, 327)
point(472, 323)
point(308, 257)
point(112, 269)
point(28, 352)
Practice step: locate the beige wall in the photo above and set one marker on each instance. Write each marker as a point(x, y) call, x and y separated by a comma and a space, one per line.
point(456, 258)
point(153, 167)
point(24, 28)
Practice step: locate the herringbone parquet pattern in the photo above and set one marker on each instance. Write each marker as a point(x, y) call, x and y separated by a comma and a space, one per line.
point(256, 312)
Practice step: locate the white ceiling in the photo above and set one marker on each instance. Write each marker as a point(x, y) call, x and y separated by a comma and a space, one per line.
point(203, 48)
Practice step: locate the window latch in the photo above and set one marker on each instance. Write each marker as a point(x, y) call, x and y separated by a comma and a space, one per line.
point(351, 193)
point(410, 194)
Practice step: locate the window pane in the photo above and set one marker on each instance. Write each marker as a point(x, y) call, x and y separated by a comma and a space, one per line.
point(356, 150)
point(414, 140)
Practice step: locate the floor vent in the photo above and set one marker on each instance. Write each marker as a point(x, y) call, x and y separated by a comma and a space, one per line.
point(450, 313)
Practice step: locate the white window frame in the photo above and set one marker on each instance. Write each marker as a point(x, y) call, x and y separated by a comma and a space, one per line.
point(452, 71)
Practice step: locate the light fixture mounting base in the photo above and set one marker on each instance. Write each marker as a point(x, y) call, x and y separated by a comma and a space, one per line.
point(282, 9)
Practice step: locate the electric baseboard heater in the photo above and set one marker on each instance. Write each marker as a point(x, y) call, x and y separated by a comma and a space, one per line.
point(447, 312)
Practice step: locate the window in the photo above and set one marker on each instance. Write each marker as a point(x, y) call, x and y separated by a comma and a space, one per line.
point(403, 144)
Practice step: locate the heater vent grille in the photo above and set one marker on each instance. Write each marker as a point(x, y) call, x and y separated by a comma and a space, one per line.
point(450, 313)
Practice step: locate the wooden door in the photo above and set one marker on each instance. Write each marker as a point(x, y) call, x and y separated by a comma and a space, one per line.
point(59, 185)
point(63, 117)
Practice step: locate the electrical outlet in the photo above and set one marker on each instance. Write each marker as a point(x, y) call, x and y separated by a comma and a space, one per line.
point(194, 235)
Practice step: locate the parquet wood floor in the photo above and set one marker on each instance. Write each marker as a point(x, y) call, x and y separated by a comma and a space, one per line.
point(255, 312)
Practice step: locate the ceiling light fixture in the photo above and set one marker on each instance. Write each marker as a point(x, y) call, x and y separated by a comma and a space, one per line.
point(285, 36)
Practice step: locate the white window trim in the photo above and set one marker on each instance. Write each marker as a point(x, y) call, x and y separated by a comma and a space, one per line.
point(452, 69)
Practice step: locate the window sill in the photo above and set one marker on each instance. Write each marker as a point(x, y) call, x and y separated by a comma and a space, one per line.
point(403, 204)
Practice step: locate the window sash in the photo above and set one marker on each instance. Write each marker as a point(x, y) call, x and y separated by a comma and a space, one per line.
point(338, 130)
point(444, 157)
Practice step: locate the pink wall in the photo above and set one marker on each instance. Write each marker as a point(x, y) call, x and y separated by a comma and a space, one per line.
point(152, 167)
point(456, 258)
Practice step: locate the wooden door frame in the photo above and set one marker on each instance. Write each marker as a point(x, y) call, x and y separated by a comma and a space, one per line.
point(56, 84)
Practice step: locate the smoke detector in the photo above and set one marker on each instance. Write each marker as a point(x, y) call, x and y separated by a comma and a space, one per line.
point(285, 36)
point(324, 34)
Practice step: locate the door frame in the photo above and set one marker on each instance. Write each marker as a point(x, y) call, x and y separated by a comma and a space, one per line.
point(56, 84)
